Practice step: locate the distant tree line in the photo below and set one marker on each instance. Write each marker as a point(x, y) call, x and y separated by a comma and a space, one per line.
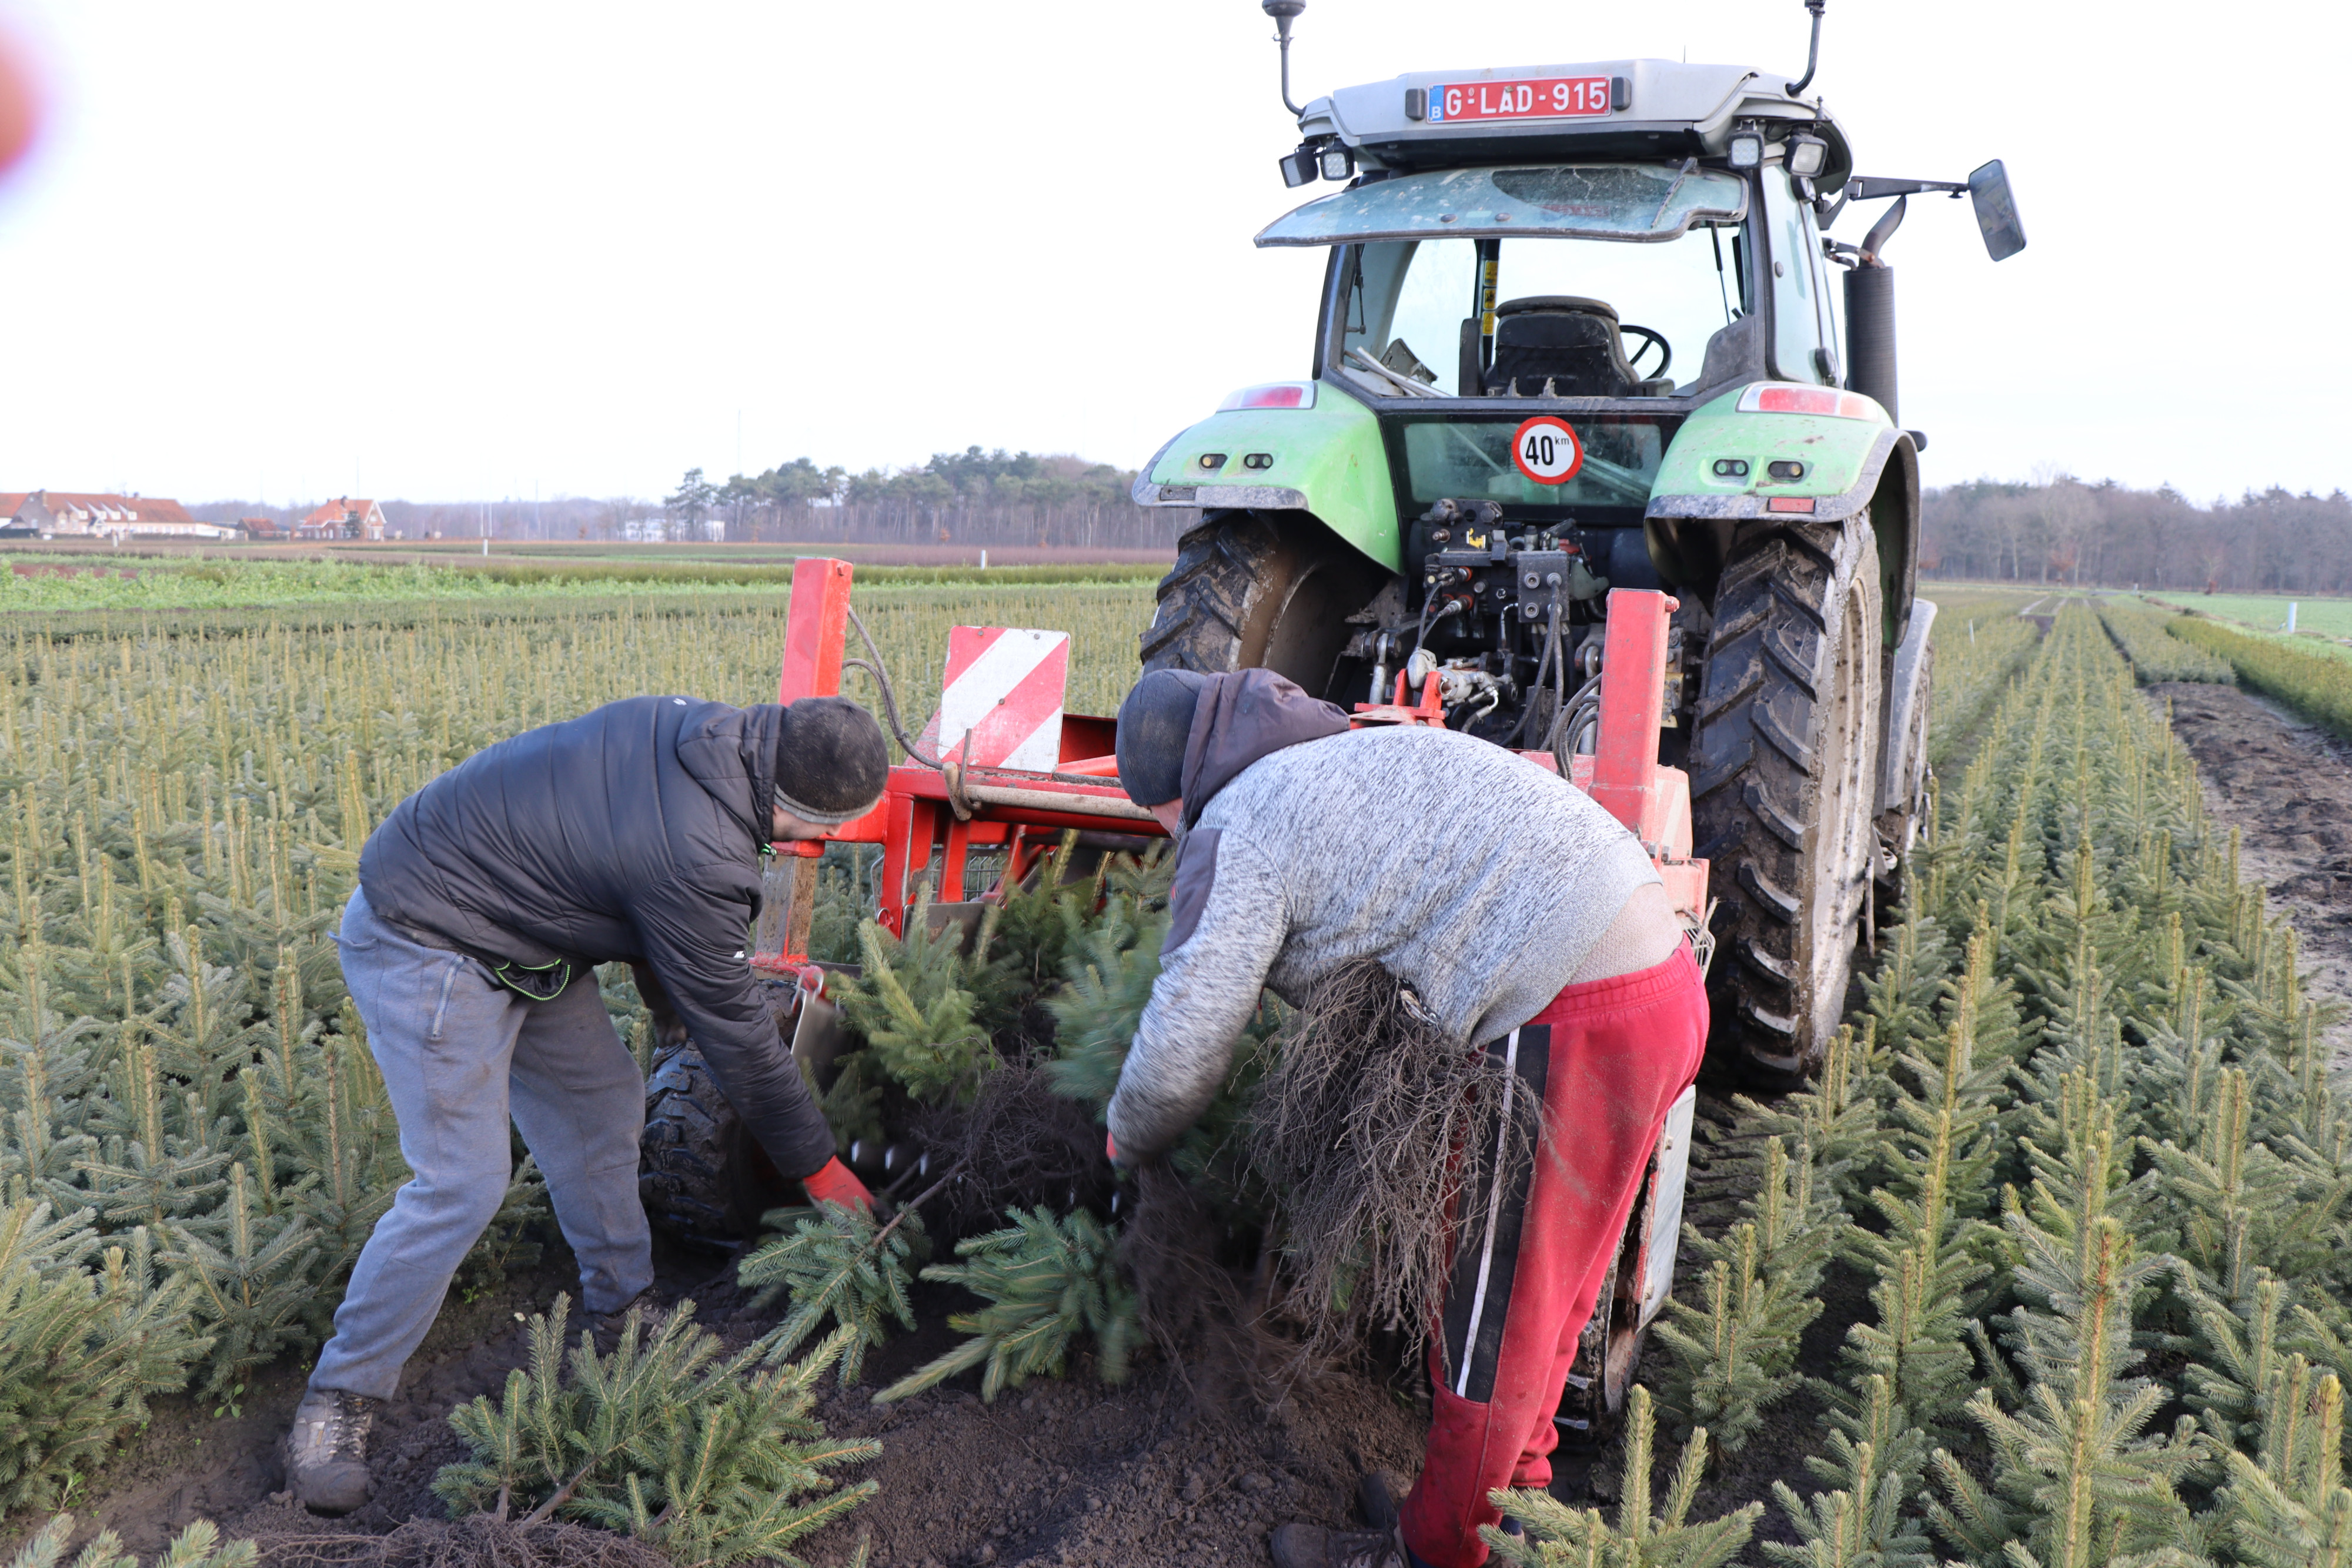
point(2055, 528)
point(2061, 530)
point(973, 496)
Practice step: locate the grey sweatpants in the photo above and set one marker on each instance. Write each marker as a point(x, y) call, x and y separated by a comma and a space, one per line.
point(459, 1053)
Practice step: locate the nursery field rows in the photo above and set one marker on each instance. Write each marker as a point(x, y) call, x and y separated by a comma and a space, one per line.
point(2073, 1182)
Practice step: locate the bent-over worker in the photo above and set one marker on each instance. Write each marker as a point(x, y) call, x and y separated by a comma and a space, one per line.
point(631, 833)
point(1517, 910)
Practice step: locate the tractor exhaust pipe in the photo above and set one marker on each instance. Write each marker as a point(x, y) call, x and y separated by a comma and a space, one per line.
point(1870, 318)
point(1870, 336)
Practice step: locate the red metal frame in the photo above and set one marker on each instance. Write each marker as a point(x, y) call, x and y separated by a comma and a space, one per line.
point(926, 811)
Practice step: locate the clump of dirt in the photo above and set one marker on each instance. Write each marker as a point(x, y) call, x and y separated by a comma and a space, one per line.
point(1172, 1467)
point(2286, 786)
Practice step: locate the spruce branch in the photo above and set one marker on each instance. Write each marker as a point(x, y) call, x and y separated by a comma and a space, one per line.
point(836, 1262)
point(1046, 1280)
point(915, 1004)
point(715, 1459)
point(1558, 1536)
point(197, 1546)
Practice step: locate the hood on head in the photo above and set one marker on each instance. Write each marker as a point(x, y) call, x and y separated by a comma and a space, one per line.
point(1242, 716)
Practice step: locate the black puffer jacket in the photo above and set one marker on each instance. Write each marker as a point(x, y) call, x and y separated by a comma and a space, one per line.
point(632, 833)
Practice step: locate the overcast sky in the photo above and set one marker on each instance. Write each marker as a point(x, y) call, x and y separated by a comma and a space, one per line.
point(462, 251)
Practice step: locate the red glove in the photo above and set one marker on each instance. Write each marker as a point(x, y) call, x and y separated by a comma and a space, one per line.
point(837, 1184)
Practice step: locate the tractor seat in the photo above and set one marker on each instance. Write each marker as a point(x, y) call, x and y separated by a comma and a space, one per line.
point(1564, 338)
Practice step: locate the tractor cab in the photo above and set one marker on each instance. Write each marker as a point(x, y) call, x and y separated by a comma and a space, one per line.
point(1624, 231)
point(1577, 334)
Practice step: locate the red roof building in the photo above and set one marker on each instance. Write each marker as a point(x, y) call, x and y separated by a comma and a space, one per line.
point(78, 513)
point(342, 518)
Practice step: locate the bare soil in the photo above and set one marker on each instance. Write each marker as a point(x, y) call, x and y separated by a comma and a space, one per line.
point(2286, 786)
point(1182, 1464)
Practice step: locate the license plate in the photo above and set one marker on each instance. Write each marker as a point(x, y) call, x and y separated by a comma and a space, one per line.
point(1555, 98)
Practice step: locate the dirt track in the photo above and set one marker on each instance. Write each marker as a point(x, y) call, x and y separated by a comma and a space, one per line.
point(2287, 787)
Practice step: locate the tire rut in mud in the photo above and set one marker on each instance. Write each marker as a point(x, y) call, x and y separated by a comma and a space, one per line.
point(2286, 786)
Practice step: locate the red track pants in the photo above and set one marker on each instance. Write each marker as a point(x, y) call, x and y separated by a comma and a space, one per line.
point(1608, 1058)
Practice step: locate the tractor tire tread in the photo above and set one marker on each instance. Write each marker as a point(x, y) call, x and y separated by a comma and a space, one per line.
point(1784, 603)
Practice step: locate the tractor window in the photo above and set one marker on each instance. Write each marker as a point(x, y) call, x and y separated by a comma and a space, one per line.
point(1406, 306)
point(1801, 318)
point(1468, 458)
point(1411, 302)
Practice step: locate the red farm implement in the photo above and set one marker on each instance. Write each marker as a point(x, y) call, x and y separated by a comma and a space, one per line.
point(934, 816)
point(1002, 769)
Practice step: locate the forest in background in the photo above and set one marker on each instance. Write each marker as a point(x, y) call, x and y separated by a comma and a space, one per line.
point(2062, 530)
point(972, 496)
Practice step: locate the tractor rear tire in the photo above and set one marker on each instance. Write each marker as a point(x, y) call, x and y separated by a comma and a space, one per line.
point(1784, 782)
point(1270, 590)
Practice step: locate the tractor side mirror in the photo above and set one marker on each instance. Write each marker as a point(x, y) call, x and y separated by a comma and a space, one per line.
point(1996, 207)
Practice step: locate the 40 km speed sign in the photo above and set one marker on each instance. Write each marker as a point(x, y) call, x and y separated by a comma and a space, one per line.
point(1546, 450)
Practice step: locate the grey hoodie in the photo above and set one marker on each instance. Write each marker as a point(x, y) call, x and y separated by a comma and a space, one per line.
point(1478, 878)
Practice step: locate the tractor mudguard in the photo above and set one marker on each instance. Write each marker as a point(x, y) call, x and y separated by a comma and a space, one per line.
point(1327, 460)
point(1850, 465)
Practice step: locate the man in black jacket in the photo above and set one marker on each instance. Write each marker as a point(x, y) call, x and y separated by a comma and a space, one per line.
point(633, 833)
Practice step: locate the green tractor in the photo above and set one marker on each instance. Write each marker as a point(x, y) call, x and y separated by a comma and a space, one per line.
point(1577, 333)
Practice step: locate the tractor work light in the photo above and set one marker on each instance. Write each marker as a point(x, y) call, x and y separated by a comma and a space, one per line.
point(1337, 162)
point(1746, 149)
point(1274, 394)
point(1807, 155)
point(1299, 166)
point(1794, 397)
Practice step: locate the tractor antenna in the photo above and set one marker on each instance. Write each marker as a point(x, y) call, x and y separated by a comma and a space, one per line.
point(1813, 53)
point(1283, 11)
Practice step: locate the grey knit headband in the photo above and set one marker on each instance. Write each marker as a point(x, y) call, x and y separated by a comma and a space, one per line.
point(823, 819)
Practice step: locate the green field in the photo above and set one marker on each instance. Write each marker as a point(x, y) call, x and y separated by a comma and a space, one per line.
point(2267, 612)
point(83, 584)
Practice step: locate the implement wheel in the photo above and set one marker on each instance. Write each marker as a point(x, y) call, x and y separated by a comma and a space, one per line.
point(1271, 590)
point(1784, 780)
point(704, 1179)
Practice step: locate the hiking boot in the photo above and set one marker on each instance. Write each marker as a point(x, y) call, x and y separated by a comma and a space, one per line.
point(326, 1451)
point(651, 1314)
point(1312, 1546)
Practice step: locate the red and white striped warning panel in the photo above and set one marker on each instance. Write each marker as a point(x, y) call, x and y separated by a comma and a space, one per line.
point(1003, 689)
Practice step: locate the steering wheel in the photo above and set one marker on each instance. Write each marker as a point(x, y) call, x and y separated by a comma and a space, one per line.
point(1652, 339)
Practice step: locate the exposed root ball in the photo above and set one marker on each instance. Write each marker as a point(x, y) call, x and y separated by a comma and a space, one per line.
point(1369, 1124)
point(480, 1542)
point(1020, 1145)
point(1183, 1294)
